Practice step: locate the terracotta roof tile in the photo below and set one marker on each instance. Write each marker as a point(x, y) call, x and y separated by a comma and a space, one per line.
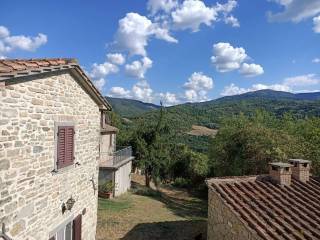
point(11, 68)
point(271, 210)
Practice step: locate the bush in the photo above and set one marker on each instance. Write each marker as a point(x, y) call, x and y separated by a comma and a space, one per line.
point(106, 187)
point(181, 182)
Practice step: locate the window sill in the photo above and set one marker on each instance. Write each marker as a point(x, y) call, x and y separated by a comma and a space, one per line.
point(57, 171)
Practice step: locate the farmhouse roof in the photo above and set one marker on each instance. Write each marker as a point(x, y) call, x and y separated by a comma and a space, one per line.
point(16, 68)
point(271, 210)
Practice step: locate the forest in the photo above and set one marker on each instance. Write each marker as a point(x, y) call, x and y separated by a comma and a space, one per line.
point(250, 134)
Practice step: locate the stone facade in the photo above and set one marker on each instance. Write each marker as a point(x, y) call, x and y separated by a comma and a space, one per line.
point(223, 223)
point(31, 195)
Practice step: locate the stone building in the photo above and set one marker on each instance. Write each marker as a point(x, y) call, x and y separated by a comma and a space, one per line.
point(115, 162)
point(282, 205)
point(50, 124)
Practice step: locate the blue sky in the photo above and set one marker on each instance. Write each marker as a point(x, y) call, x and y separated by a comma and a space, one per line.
point(170, 50)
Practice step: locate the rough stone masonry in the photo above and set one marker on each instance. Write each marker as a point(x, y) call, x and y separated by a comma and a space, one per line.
point(31, 195)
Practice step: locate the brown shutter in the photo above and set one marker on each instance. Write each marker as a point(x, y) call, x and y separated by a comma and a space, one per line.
point(52, 238)
point(65, 146)
point(77, 225)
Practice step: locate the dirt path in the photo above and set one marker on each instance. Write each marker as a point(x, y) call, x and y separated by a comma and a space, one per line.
point(145, 214)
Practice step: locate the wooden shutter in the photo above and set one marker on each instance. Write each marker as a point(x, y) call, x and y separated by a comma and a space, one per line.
point(65, 146)
point(77, 228)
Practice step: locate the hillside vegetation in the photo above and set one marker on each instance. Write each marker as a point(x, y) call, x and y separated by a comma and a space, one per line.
point(212, 113)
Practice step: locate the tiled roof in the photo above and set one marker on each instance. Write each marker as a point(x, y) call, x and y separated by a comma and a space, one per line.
point(273, 211)
point(13, 68)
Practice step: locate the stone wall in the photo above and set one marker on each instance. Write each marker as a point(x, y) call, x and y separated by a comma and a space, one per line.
point(224, 224)
point(30, 194)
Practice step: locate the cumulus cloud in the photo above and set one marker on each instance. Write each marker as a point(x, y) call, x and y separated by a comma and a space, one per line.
point(135, 30)
point(116, 58)
point(102, 70)
point(191, 14)
point(169, 99)
point(251, 70)
point(119, 92)
point(232, 89)
point(227, 58)
point(155, 6)
point(288, 85)
point(137, 69)
point(9, 43)
point(142, 91)
point(197, 87)
point(302, 80)
point(296, 10)
point(234, 22)
point(316, 24)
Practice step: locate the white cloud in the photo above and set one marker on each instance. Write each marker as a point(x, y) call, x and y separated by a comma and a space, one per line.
point(169, 99)
point(191, 14)
point(137, 69)
point(9, 43)
point(316, 24)
point(227, 58)
point(155, 6)
point(4, 32)
point(316, 60)
point(26, 43)
point(234, 22)
point(197, 87)
point(99, 83)
point(119, 92)
point(251, 70)
point(102, 70)
point(288, 85)
point(296, 10)
point(232, 89)
point(116, 58)
point(142, 91)
point(134, 32)
point(302, 80)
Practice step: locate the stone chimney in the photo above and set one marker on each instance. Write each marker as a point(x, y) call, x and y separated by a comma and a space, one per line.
point(300, 169)
point(280, 173)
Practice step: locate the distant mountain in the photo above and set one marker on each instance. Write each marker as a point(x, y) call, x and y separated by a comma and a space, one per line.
point(271, 94)
point(129, 107)
point(211, 113)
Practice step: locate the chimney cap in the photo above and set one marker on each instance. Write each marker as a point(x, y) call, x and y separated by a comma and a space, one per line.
point(280, 164)
point(301, 161)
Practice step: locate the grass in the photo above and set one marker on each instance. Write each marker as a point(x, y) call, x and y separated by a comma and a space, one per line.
point(145, 214)
point(115, 205)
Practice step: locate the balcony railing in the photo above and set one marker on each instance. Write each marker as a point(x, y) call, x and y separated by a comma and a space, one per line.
point(115, 158)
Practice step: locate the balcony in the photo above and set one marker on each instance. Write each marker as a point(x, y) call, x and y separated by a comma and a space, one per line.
point(117, 158)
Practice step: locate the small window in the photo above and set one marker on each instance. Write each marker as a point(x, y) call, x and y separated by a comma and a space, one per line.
point(65, 146)
point(64, 233)
point(274, 168)
point(70, 230)
point(287, 169)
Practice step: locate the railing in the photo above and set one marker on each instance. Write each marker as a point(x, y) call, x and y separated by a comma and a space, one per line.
point(112, 159)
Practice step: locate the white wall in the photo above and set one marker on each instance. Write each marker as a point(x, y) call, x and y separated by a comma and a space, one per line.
point(123, 179)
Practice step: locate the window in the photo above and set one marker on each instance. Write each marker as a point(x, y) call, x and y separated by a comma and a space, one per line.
point(68, 231)
point(65, 146)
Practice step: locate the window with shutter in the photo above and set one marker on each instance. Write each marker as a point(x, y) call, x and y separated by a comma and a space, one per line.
point(65, 146)
point(77, 228)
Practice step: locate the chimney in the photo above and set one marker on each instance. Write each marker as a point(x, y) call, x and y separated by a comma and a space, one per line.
point(280, 173)
point(300, 169)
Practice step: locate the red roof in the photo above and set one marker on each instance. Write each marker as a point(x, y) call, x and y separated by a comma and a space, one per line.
point(13, 68)
point(273, 211)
